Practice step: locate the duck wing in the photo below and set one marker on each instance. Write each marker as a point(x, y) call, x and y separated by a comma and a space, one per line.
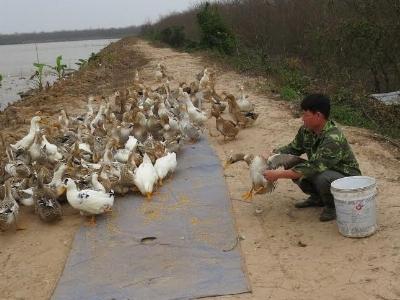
point(94, 202)
point(287, 161)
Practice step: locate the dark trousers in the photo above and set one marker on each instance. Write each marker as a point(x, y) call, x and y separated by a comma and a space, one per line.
point(319, 186)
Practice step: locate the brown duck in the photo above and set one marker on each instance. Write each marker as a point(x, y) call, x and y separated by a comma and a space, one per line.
point(226, 127)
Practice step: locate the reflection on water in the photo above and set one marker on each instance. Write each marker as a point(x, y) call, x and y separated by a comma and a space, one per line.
point(16, 62)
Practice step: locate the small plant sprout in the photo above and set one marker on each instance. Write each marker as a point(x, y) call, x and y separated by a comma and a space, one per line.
point(38, 75)
point(59, 68)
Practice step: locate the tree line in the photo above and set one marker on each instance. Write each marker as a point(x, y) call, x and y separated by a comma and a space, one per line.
point(347, 48)
point(68, 35)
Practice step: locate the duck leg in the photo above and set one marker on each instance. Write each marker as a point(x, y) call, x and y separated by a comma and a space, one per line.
point(249, 195)
point(92, 221)
point(258, 190)
point(149, 194)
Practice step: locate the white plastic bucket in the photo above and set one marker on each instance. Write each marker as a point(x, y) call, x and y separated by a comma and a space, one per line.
point(355, 205)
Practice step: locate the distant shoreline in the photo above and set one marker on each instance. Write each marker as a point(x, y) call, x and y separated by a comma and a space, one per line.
point(67, 36)
point(63, 40)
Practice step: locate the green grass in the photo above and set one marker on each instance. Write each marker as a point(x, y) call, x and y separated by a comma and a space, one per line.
point(289, 94)
point(348, 115)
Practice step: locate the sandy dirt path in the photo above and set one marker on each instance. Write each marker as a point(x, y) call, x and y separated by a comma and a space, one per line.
point(288, 253)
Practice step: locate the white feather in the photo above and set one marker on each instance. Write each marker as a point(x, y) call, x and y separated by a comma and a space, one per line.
point(145, 176)
point(165, 165)
point(88, 201)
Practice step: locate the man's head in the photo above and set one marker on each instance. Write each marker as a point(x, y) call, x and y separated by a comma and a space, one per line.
point(316, 109)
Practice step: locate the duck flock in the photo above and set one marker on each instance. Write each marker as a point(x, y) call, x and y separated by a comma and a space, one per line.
point(124, 143)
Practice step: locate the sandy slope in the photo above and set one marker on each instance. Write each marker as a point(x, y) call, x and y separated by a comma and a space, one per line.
point(288, 253)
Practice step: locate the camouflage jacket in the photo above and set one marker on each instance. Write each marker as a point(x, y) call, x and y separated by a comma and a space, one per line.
point(328, 150)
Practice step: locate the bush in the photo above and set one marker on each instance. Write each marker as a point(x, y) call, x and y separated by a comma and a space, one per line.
point(294, 79)
point(348, 115)
point(191, 46)
point(173, 36)
point(287, 93)
point(177, 37)
point(214, 33)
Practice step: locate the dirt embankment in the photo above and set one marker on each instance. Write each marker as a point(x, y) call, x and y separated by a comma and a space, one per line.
point(288, 253)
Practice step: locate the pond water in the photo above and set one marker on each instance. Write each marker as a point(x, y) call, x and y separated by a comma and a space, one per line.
point(16, 63)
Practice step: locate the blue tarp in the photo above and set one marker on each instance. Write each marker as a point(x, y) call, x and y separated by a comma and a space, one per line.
point(180, 245)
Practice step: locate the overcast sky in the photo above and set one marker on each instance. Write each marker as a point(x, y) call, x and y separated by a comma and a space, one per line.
point(52, 15)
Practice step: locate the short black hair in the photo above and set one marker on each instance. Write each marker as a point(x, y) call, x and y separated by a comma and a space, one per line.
point(317, 103)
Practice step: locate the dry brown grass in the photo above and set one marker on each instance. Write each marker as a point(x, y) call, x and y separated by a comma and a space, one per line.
point(97, 78)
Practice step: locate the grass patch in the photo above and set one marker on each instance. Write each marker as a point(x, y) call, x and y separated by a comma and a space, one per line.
point(293, 79)
point(350, 116)
point(289, 94)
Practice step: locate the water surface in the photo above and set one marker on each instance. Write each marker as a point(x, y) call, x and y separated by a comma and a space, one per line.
point(16, 62)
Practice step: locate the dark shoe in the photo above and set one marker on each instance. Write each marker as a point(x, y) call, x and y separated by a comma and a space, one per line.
point(309, 202)
point(328, 214)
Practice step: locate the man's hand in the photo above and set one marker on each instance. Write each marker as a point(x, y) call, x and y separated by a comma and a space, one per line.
point(272, 175)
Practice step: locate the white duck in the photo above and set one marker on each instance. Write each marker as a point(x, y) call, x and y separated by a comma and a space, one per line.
point(27, 140)
point(56, 182)
point(165, 165)
point(244, 104)
point(131, 143)
point(122, 155)
point(258, 165)
point(196, 115)
point(146, 177)
point(35, 150)
point(51, 150)
point(205, 79)
point(88, 202)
